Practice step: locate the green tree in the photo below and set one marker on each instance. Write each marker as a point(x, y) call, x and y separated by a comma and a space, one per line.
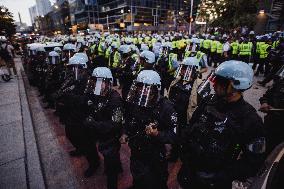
point(228, 13)
point(7, 26)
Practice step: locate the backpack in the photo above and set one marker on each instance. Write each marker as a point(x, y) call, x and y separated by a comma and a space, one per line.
point(4, 54)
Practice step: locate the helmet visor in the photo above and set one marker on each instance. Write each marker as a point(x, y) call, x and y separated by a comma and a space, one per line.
point(206, 87)
point(53, 59)
point(98, 86)
point(280, 73)
point(144, 95)
point(186, 72)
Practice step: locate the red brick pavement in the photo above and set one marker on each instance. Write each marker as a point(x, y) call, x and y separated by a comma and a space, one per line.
point(98, 181)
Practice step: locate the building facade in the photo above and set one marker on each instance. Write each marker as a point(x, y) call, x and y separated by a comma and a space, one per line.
point(33, 13)
point(143, 14)
point(43, 7)
point(119, 15)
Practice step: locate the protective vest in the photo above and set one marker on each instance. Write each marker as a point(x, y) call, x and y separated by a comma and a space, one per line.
point(135, 40)
point(100, 49)
point(187, 54)
point(275, 44)
point(219, 48)
point(93, 47)
point(258, 46)
point(206, 44)
point(245, 49)
point(263, 53)
point(135, 56)
point(181, 44)
point(116, 59)
point(235, 48)
point(199, 55)
point(172, 57)
point(108, 51)
point(174, 44)
point(213, 46)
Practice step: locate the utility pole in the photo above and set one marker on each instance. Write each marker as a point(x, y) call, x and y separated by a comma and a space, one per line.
point(87, 3)
point(107, 24)
point(191, 9)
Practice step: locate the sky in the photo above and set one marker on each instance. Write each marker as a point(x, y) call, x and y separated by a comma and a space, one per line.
point(21, 6)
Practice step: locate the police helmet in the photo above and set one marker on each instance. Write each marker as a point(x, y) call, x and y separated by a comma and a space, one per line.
point(100, 83)
point(148, 56)
point(145, 90)
point(239, 72)
point(124, 49)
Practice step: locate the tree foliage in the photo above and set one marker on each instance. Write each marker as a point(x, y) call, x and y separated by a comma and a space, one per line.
point(7, 26)
point(229, 13)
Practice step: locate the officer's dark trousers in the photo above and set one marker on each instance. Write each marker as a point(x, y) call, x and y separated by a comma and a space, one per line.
point(112, 163)
point(83, 141)
point(262, 63)
point(245, 59)
point(150, 173)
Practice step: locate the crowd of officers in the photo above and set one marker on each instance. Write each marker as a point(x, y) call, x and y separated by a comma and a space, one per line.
point(150, 90)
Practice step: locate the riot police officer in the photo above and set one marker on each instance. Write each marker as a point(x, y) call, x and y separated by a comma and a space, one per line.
point(104, 120)
point(183, 93)
point(225, 139)
point(150, 124)
point(125, 71)
point(147, 60)
point(74, 110)
point(52, 80)
point(272, 103)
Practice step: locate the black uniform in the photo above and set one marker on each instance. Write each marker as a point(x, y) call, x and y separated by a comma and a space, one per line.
point(212, 144)
point(148, 163)
point(126, 76)
point(73, 114)
point(274, 120)
point(53, 81)
point(105, 123)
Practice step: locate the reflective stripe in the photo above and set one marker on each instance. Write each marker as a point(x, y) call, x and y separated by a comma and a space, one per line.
point(116, 59)
point(187, 54)
point(263, 50)
point(220, 48)
point(213, 46)
point(245, 49)
point(206, 44)
point(100, 49)
point(172, 56)
point(199, 55)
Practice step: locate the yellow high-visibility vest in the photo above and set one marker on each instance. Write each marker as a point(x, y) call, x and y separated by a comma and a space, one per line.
point(245, 49)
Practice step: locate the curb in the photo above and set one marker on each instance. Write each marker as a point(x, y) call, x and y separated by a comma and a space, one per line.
point(34, 174)
point(56, 167)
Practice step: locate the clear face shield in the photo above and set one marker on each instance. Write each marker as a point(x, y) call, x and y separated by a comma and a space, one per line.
point(98, 86)
point(78, 70)
point(206, 88)
point(186, 72)
point(53, 59)
point(280, 73)
point(67, 54)
point(143, 95)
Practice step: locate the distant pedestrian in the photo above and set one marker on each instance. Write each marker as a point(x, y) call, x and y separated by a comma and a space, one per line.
point(8, 55)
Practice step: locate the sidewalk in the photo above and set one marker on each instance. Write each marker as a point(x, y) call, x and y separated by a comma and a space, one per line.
point(19, 159)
